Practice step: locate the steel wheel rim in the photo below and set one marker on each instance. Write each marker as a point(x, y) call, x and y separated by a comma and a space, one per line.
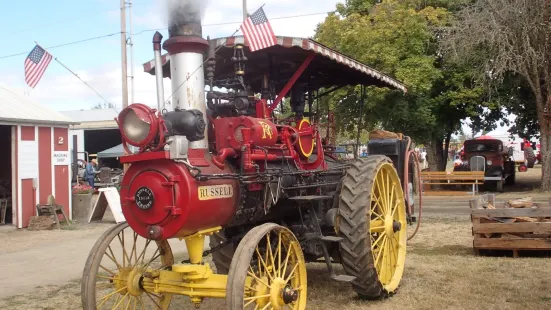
point(388, 227)
point(120, 267)
point(280, 266)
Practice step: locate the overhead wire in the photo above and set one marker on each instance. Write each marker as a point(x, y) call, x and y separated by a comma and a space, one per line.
point(158, 29)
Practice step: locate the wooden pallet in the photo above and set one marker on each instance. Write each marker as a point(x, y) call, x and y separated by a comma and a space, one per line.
point(514, 229)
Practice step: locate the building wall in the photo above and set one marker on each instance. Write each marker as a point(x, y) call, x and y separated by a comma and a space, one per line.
point(36, 184)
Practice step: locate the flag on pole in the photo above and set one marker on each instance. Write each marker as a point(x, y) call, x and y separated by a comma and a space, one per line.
point(258, 31)
point(35, 65)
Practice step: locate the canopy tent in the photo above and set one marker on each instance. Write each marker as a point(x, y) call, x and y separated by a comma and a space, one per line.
point(116, 151)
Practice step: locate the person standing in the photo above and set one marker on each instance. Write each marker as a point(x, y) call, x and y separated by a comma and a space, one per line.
point(423, 159)
point(91, 172)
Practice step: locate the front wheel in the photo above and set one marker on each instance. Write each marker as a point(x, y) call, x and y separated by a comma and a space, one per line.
point(268, 271)
point(372, 223)
point(112, 274)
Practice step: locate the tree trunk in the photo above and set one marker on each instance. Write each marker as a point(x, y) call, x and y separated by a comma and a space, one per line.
point(545, 150)
point(435, 155)
point(545, 141)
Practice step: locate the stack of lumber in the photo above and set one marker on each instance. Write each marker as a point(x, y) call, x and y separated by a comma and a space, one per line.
point(518, 224)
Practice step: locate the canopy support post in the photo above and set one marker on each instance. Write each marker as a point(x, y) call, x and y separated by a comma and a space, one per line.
point(362, 101)
point(291, 82)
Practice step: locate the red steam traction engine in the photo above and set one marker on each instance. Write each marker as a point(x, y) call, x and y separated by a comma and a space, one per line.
point(268, 190)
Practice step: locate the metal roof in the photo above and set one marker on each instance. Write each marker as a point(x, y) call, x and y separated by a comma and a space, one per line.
point(94, 115)
point(16, 108)
point(306, 45)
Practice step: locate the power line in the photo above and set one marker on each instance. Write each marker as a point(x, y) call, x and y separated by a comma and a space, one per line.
point(149, 30)
point(240, 22)
point(66, 20)
point(65, 44)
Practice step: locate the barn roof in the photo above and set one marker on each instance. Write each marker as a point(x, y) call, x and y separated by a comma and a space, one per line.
point(17, 109)
point(334, 68)
point(93, 115)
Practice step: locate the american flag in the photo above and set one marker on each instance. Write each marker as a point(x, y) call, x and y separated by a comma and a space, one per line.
point(258, 31)
point(35, 65)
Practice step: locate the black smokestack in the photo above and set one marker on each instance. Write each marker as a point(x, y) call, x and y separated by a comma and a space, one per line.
point(184, 17)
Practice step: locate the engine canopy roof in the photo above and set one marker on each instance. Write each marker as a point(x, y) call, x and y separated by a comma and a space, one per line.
point(328, 69)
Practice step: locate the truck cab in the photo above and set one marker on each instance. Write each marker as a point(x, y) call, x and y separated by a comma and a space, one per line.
point(490, 156)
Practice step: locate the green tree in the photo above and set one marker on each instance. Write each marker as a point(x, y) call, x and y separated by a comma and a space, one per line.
point(106, 105)
point(400, 38)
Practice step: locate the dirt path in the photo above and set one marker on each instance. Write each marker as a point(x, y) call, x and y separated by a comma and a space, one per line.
point(40, 258)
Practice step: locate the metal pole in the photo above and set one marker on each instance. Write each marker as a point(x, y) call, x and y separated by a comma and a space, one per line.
point(131, 43)
point(362, 90)
point(123, 56)
point(244, 10)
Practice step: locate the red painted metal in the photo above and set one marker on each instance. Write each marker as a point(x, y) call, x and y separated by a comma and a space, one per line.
point(229, 135)
point(291, 82)
point(147, 115)
point(145, 156)
point(224, 153)
point(177, 210)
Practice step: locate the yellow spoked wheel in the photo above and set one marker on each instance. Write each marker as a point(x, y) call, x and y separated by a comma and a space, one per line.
point(113, 271)
point(372, 222)
point(268, 271)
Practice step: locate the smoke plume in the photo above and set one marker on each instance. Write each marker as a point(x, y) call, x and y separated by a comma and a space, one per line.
point(184, 11)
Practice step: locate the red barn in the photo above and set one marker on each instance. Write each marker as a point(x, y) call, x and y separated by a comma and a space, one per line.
point(34, 157)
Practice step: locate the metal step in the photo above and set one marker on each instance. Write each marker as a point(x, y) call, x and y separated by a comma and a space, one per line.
point(310, 198)
point(331, 238)
point(344, 278)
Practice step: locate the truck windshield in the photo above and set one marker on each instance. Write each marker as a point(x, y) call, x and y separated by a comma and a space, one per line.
point(482, 147)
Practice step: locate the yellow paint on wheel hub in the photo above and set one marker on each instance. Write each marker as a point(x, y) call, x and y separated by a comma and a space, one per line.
point(133, 281)
point(276, 291)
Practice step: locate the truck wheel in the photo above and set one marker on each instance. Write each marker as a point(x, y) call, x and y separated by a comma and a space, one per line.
point(372, 222)
point(530, 157)
point(499, 186)
point(510, 180)
point(223, 256)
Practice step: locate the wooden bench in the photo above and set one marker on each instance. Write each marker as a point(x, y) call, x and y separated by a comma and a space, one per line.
point(445, 178)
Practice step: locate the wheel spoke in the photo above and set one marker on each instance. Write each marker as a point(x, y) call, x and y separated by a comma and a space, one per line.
point(271, 254)
point(257, 278)
point(263, 263)
point(142, 254)
point(153, 300)
point(279, 255)
point(112, 257)
point(108, 296)
point(287, 258)
point(382, 234)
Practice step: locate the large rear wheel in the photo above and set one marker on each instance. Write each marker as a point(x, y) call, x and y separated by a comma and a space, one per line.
point(372, 223)
point(530, 157)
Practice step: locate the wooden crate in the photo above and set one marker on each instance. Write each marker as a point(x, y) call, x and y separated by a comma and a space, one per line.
point(515, 229)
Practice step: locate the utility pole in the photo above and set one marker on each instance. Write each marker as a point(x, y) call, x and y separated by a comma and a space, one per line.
point(244, 10)
point(123, 56)
point(131, 43)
